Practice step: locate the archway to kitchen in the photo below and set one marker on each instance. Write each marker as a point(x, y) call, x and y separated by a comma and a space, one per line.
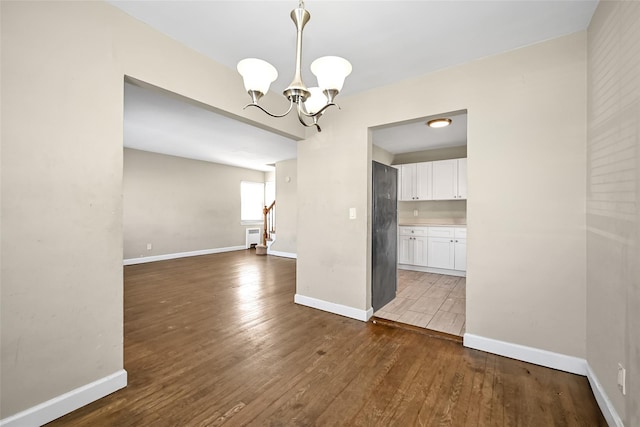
point(429, 265)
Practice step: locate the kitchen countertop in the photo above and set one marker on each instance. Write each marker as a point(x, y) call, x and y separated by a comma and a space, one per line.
point(446, 222)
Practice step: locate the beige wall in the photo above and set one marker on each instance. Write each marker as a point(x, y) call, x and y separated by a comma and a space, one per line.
point(62, 191)
point(63, 68)
point(432, 210)
point(381, 155)
point(286, 206)
point(431, 155)
point(613, 290)
point(181, 205)
point(526, 174)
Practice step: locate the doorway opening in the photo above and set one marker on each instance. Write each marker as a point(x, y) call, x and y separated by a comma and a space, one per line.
point(431, 222)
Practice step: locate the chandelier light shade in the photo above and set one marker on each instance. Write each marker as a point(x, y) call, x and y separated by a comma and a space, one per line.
point(331, 72)
point(316, 100)
point(311, 103)
point(257, 74)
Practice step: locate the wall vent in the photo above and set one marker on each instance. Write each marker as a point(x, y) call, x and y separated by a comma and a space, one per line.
point(253, 237)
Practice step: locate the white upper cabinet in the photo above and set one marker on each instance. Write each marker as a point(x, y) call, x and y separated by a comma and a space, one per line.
point(439, 180)
point(449, 179)
point(407, 182)
point(415, 181)
point(462, 178)
point(423, 181)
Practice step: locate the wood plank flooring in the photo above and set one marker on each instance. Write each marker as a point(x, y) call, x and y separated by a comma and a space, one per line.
point(217, 340)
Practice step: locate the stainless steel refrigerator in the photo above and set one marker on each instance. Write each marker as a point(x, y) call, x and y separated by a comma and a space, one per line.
point(384, 235)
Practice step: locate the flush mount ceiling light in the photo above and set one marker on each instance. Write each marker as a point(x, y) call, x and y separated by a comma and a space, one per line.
point(439, 123)
point(310, 102)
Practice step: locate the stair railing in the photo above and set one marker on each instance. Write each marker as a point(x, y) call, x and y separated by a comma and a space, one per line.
point(269, 222)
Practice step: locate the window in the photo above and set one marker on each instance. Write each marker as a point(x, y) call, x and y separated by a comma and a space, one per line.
point(251, 201)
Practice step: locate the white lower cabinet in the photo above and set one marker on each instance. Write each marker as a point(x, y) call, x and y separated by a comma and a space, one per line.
point(412, 250)
point(460, 256)
point(442, 248)
point(441, 253)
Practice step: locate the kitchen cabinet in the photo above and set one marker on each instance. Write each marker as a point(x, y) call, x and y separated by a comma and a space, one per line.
point(439, 248)
point(415, 181)
point(462, 179)
point(399, 180)
point(449, 179)
point(412, 247)
point(441, 253)
point(460, 254)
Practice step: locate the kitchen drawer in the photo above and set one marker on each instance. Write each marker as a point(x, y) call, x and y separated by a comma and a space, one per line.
point(413, 231)
point(441, 232)
point(460, 233)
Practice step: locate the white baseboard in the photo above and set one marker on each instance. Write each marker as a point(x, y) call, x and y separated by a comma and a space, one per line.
point(410, 267)
point(607, 408)
point(334, 308)
point(562, 362)
point(164, 257)
point(68, 402)
point(283, 254)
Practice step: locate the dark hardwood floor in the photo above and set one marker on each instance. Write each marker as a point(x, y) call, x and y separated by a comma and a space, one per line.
point(217, 339)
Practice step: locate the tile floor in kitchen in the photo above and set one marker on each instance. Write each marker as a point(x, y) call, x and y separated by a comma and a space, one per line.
point(428, 300)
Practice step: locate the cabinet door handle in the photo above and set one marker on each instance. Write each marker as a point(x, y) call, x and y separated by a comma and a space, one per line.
point(452, 241)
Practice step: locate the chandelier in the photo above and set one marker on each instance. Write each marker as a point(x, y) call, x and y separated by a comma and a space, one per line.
point(311, 102)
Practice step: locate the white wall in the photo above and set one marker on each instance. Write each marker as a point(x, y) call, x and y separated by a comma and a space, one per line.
point(525, 212)
point(613, 279)
point(181, 205)
point(63, 68)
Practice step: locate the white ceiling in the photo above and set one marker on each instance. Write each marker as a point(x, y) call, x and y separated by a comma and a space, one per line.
point(417, 136)
point(386, 41)
point(157, 122)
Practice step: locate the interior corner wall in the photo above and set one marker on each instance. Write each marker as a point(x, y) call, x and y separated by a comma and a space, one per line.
point(613, 192)
point(526, 184)
point(63, 69)
point(286, 207)
point(181, 205)
point(431, 155)
point(381, 155)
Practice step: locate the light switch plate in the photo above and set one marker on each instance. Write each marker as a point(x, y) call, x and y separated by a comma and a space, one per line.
point(622, 379)
point(352, 213)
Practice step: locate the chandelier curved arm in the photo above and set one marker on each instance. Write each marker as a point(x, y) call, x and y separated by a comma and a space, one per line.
point(254, 104)
point(315, 118)
point(319, 112)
